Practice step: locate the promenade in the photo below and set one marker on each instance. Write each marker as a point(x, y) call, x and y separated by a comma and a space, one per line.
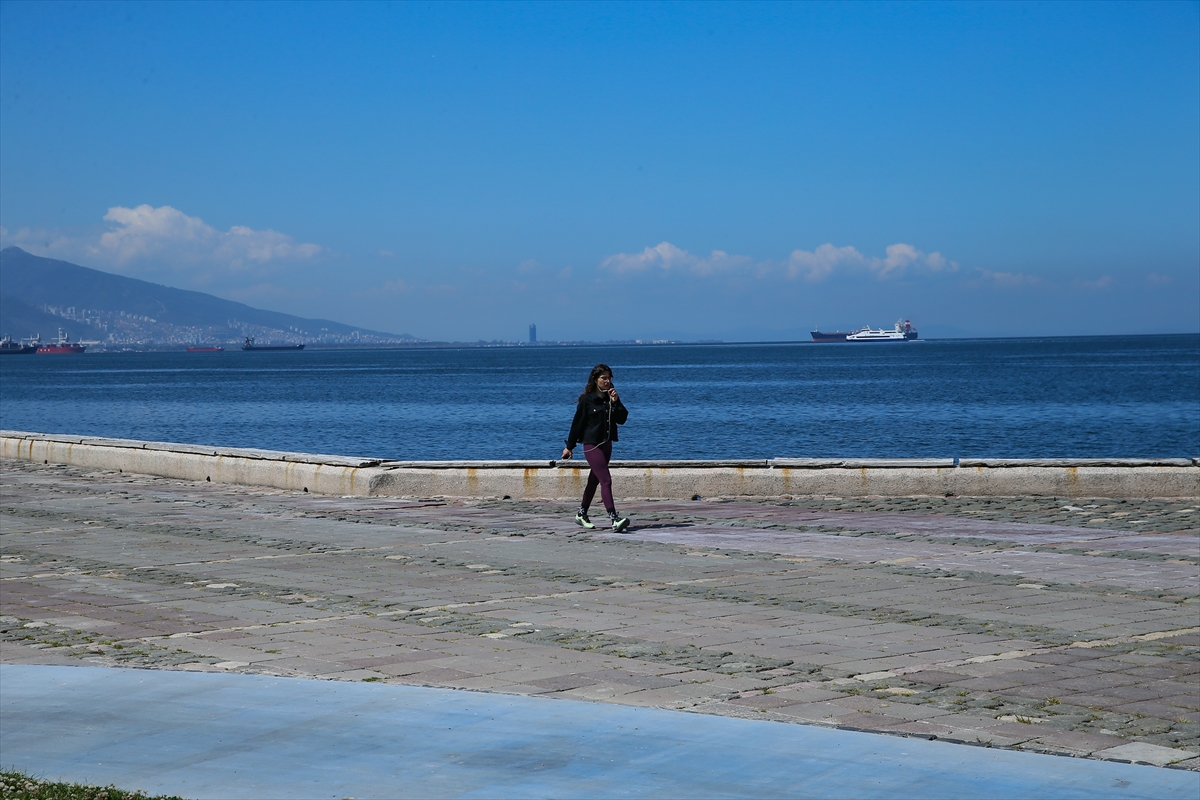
point(1056, 626)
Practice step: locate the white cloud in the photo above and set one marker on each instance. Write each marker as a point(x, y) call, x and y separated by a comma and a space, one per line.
point(169, 234)
point(819, 264)
point(663, 256)
point(1155, 279)
point(668, 258)
point(145, 240)
point(899, 256)
point(42, 242)
point(815, 265)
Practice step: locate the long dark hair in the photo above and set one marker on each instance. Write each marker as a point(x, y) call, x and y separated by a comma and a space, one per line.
point(597, 371)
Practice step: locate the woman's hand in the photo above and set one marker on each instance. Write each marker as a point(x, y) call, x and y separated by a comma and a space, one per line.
point(567, 454)
point(612, 394)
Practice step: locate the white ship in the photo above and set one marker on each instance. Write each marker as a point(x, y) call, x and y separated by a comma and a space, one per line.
point(901, 333)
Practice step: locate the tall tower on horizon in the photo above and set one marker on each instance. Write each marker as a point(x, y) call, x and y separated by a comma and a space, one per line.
point(532, 333)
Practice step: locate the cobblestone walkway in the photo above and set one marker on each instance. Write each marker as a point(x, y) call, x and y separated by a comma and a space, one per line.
point(1068, 627)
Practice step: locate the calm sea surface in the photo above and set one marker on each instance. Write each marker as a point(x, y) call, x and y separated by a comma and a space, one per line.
point(1073, 397)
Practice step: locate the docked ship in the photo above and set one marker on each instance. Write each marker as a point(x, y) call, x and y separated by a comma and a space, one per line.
point(61, 346)
point(902, 332)
point(250, 345)
point(200, 349)
point(10, 348)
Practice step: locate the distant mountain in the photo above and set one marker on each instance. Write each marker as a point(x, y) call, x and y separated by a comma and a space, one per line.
point(40, 292)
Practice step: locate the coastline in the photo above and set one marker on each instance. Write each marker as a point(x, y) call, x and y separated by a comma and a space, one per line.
point(648, 480)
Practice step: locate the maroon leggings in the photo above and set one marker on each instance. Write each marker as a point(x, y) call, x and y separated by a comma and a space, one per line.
point(598, 456)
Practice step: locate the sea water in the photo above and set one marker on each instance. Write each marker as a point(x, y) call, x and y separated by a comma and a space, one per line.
point(1086, 397)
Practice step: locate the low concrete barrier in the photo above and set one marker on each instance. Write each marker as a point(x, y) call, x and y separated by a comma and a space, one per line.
point(666, 480)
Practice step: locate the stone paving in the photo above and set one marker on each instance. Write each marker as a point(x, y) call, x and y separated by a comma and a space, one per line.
point(1067, 627)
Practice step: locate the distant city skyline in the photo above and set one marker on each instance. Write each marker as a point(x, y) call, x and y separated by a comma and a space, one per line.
point(620, 171)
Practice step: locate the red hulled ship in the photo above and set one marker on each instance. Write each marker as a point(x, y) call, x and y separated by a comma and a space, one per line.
point(63, 345)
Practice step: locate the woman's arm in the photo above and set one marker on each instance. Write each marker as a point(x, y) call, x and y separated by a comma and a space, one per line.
point(577, 425)
point(620, 413)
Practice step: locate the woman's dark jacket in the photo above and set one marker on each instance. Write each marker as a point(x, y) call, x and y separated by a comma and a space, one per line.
point(591, 418)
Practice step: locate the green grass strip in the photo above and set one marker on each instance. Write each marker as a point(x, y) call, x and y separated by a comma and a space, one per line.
point(19, 786)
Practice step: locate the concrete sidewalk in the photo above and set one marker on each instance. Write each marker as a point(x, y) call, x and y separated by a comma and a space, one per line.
point(1036, 624)
point(243, 736)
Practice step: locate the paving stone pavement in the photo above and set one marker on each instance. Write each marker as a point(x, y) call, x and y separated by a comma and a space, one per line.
point(1059, 626)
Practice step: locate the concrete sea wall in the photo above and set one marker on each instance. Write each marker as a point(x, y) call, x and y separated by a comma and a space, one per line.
point(666, 480)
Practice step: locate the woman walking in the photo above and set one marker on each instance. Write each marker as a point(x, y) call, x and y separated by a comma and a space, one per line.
point(597, 414)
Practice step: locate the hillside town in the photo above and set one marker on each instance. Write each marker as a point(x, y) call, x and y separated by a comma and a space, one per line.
point(104, 330)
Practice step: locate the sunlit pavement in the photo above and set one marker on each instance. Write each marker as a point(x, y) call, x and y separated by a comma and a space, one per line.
point(244, 736)
point(1024, 624)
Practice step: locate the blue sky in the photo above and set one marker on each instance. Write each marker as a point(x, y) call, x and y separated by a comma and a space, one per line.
point(731, 171)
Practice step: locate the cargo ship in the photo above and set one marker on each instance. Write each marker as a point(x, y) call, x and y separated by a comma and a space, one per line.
point(206, 349)
point(10, 348)
point(250, 345)
point(902, 332)
point(830, 336)
point(62, 345)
